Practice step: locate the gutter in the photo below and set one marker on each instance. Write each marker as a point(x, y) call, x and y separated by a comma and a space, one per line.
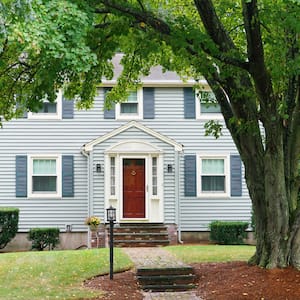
point(177, 193)
point(87, 156)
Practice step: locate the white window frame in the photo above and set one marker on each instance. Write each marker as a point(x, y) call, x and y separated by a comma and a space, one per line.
point(138, 115)
point(49, 116)
point(201, 115)
point(213, 194)
point(58, 193)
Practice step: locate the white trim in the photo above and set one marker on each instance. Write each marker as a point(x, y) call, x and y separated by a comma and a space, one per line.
point(133, 146)
point(49, 116)
point(205, 116)
point(226, 158)
point(89, 146)
point(58, 193)
point(150, 201)
point(138, 115)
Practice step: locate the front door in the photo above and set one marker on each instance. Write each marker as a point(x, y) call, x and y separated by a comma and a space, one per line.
point(133, 188)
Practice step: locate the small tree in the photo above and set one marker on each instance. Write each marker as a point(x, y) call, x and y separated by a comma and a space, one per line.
point(9, 219)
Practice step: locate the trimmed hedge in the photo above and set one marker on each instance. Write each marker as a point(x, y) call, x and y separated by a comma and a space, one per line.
point(44, 237)
point(9, 220)
point(228, 233)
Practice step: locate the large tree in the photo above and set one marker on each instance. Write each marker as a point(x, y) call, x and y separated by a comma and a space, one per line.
point(248, 51)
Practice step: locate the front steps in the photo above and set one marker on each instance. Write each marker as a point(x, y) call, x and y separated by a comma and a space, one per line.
point(140, 235)
point(166, 279)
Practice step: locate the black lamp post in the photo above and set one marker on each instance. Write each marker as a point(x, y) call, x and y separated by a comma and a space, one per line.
point(111, 217)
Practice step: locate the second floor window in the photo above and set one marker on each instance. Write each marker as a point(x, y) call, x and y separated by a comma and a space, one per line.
point(49, 110)
point(207, 106)
point(132, 108)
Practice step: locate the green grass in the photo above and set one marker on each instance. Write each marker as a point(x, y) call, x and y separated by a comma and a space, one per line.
point(55, 274)
point(211, 253)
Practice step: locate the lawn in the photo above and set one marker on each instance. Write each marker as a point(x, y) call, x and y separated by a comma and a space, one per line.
point(211, 253)
point(54, 274)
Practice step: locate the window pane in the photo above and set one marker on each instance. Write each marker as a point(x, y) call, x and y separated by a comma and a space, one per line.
point(213, 183)
point(210, 108)
point(44, 183)
point(48, 108)
point(112, 176)
point(212, 166)
point(209, 103)
point(44, 166)
point(132, 97)
point(154, 176)
point(129, 108)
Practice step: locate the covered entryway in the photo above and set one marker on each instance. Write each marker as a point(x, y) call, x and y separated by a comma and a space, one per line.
point(133, 188)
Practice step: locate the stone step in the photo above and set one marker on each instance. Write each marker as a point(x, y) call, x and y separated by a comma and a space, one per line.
point(180, 278)
point(140, 243)
point(169, 288)
point(141, 235)
point(166, 279)
point(178, 270)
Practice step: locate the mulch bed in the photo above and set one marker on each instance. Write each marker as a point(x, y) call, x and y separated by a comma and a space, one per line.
point(215, 281)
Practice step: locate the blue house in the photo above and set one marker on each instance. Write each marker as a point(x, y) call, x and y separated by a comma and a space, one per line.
point(148, 157)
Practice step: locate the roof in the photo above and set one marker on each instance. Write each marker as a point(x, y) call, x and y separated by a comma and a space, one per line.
point(156, 77)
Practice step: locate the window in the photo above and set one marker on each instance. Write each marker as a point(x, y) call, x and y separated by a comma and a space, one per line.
point(112, 176)
point(132, 108)
point(49, 110)
point(207, 106)
point(44, 176)
point(213, 176)
point(154, 176)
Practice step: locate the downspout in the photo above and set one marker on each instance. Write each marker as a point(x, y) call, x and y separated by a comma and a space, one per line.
point(177, 193)
point(86, 154)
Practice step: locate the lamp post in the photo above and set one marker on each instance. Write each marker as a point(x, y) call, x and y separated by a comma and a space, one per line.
point(111, 217)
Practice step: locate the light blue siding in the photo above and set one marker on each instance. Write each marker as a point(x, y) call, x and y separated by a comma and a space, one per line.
point(67, 136)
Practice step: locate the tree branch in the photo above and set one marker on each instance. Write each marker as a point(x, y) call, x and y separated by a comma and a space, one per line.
point(141, 16)
point(213, 25)
point(256, 52)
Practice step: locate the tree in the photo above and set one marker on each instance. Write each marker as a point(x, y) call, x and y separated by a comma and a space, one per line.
point(248, 51)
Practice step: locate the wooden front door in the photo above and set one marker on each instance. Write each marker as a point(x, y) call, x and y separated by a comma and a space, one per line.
point(133, 188)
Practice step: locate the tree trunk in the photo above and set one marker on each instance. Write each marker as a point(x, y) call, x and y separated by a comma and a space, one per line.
point(278, 242)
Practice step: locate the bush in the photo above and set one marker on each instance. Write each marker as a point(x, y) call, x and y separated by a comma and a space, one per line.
point(44, 237)
point(9, 220)
point(228, 233)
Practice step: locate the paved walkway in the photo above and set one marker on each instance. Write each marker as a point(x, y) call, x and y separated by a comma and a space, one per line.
point(158, 257)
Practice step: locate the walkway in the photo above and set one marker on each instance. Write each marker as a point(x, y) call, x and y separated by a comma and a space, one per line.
point(158, 257)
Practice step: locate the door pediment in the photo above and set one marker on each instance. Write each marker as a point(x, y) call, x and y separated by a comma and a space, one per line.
point(133, 146)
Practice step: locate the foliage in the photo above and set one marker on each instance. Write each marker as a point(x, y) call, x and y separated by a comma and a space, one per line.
point(211, 253)
point(92, 220)
point(9, 219)
point(44, 237)
point(228, 233)
point(55, 274)
point(248, 51)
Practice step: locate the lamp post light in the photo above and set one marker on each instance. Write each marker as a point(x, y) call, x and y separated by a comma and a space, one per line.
point(111, 217)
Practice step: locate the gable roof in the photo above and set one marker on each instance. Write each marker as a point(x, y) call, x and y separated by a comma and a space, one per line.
point(132, 124)
point(156, 77)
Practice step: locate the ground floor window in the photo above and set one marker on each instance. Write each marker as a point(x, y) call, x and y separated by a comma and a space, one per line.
point(213, 175)
point(44, 176)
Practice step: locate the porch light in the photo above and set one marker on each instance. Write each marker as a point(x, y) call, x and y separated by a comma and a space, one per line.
point(98, 168)
point(170, 168)
point(111, 214)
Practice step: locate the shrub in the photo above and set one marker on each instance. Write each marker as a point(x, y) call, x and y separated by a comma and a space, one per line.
point(9, 220)
point(228, 233)
point(44, 237)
